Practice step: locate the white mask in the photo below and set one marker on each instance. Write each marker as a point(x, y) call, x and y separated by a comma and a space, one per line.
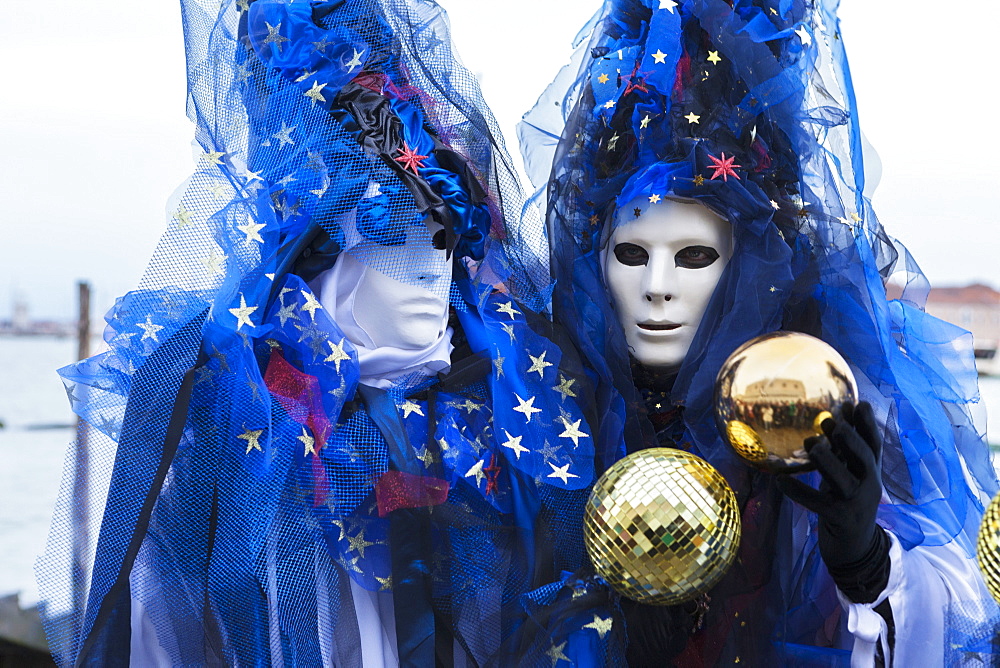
point(661, 270)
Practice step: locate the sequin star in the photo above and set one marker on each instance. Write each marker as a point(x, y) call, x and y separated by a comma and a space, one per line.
point(565, 386)
point(252, 437)
point(713, 57)
point(613, 142)
point(358, 543)
point(508, 328)
point(385, 584)
point(252, 231)
point(561, 472)
point(308, 441)
point(243, 313)
point(274, 37)
point(316, 92)
point(804, 36)
point(693, 118)
point(573, 431)
point(183, 217)
point(337, 354)
point(659, 57)
point(509, 309)
point(774, 205)
point(604, 78)
point(321, 45)
point(477, 471)
point(427, 456)
point(538, 364)
point(213, 157)
point(213, 263)
point(311, 304)
point(514, 443)
point(699, 180)
point(526, 407)
point(724, 167)
point(636, 212)
point(284, 135)
point(773, 289)
point(149, 329)
point(410, 159)
point(355, 61)
point(243, 5)
point(644, 122)
point(609, 104)
point(410, 407)
point(601, 625)
point(492, 473)
point(654, 198)
point(668, 5)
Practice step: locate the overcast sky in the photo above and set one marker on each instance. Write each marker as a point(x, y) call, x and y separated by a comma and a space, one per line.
point(95, 138)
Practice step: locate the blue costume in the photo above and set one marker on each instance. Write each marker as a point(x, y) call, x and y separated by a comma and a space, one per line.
point(269, 497)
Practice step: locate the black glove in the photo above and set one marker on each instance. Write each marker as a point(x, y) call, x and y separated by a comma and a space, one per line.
point(849, 458)
point(656, 634)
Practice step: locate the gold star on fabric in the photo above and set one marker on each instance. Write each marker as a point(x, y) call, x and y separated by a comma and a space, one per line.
point(855, 217)
point(386, 583)
point(693, 118)
point(243, 313)
point(613, 141)
point(252, 230)
point(604, 78)
point(243, 5)
point(609, 104)
point(565, 386)
point(316, 92)
point(410, 407)
point(538, 364)
point(774, 205)
point(308, 441)
point(355, 61)
point(556, 653)
point(573, 431)
point(358, 543)
point(183, 217)
point(773, 289)
point(252, 437)
point(659, 57)
point(509, 329)
point(713, 57)
point(804, 35)
point(149, 329)
point(526, 407)
point(699, 179)
point(311, 304)
point(561, 472)
point(644, 122)
point(477, 471)
point(669, 6)
point(654, 198)
point(601, 625)
point(337, 354)
point(509, 309)
point(498, 366)
point(637, 212)
point(514, 443)
point(213, 157)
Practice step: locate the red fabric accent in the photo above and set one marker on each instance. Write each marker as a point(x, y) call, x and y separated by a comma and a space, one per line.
point(682, 73)
point(373, 81)
point(299, 394)
point(396, 489)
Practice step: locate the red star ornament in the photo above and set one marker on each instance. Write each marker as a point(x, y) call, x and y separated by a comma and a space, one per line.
point(410, 159)
point(724, 167)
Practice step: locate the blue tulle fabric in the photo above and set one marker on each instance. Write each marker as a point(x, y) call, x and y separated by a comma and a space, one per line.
point(661, 94)
point(245, 484)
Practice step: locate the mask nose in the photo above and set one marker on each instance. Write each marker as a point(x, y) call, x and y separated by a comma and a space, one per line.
point(657, 281)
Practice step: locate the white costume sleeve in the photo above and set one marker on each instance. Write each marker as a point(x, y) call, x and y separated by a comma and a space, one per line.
point(923, 584)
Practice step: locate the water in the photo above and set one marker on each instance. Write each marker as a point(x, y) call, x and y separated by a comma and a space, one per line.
point(31, 460)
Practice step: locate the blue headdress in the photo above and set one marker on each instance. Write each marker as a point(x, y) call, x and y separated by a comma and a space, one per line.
point(246, 482)
point(747, 108)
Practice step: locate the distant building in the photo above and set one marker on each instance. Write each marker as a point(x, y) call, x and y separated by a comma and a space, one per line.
point(976, 308)
point(775, 389)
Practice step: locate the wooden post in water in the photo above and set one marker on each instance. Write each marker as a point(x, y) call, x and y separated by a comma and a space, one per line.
point(81, 482)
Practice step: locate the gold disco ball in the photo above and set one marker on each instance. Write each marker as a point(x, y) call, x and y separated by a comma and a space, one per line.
point(661, 526)
point(988, 547)
point(774, 392)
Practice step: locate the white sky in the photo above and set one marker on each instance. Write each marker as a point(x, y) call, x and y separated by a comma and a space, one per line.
point(94, 137)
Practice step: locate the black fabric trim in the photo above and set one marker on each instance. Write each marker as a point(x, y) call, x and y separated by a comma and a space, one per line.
point(865, 579)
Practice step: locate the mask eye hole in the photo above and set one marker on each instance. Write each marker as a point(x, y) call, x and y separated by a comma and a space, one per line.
point(631, 255)
point(438, 240)
point(696, 257)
